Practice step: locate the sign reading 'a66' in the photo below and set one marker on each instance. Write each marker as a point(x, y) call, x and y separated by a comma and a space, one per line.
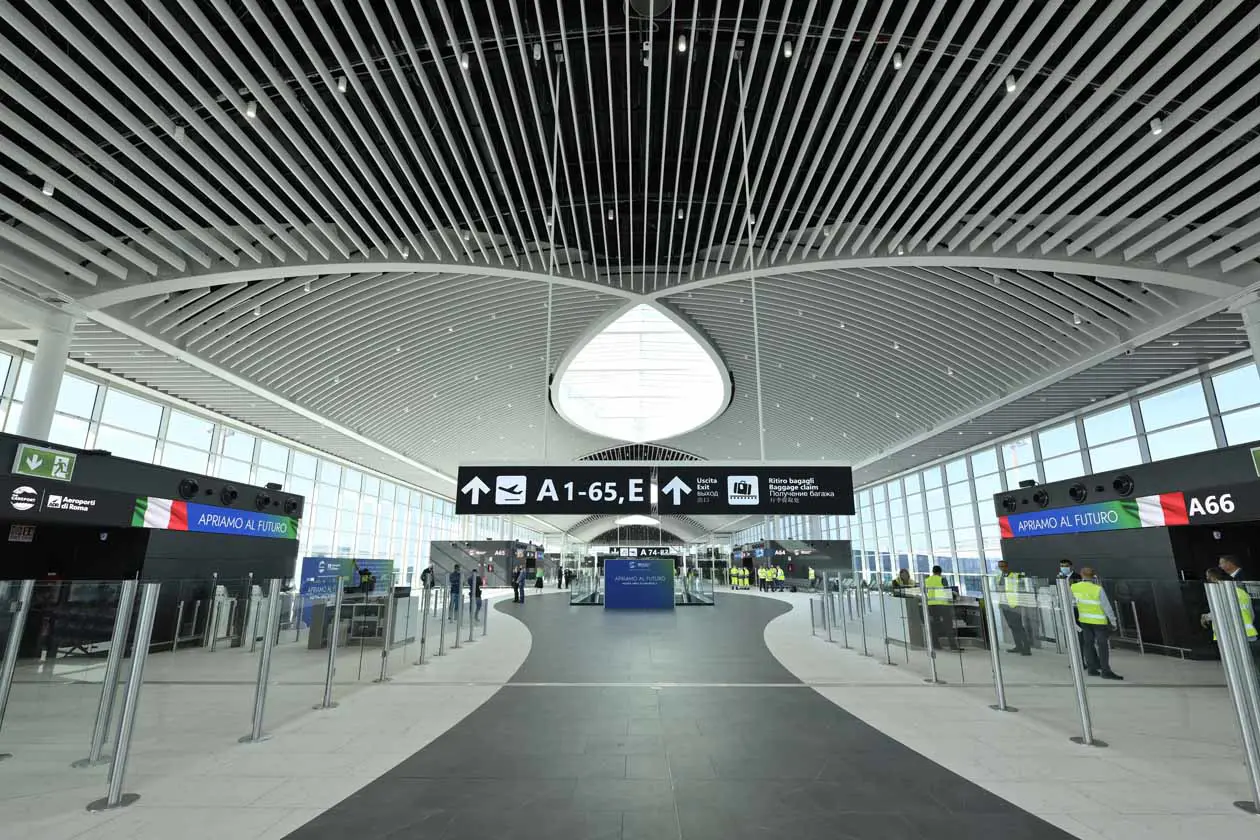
point(1236, 503)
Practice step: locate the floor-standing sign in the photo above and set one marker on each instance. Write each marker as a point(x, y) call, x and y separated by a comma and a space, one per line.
point(639, 583)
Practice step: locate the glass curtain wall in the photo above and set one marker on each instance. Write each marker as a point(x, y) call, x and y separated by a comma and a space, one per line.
point(943, 515)
point(349, 513)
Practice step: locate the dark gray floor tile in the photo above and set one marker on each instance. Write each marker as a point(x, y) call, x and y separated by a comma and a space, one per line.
point(1014, 825)
point(525, 822)
point(626, 744)
point(623, 795)
point(639, 825)
point(654, 766)
point(691, 766)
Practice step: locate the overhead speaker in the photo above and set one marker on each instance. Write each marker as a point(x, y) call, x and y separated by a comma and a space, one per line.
point(1008, 504)
point(290, 507)
point(228, 494)
point(1123, 485)
point(262, 501)
point(1041, 498)
point(1078, 492)
point(188, 488)
point(650, 8)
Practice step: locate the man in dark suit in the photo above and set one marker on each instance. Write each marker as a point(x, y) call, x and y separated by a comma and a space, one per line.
point(1233, 571)
point(1068, 571)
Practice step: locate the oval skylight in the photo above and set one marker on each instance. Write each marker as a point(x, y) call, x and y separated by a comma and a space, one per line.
point(643, 377)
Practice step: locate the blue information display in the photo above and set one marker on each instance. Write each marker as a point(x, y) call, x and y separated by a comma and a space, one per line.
point(642, 583)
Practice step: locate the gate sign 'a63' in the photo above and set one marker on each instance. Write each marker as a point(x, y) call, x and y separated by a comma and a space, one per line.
point(554, 489)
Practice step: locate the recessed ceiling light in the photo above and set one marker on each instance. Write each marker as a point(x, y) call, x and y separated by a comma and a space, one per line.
point(450, 329)
point(1011, 84)
point(1176, 344)
point(1076, 319)
point(787, 49)
point(949, 371)
point(537, 51)
point(682, 43)
point(509, 405)
point(896, 346)
point(463, 60)
point(251, 109)
point(179, 132)
point(341, 84)
point(306, 287)
point(1157, 126)
point(900, 249)
point(48, 189)
point(896, 61)
point(257, 311)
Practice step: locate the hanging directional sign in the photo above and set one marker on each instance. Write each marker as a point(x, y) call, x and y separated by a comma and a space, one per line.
point(558, 489)
point(802, 490)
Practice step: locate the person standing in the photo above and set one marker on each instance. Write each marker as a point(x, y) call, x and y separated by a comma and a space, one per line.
point(1007, 594)
point(474, 593)
point(1232, 571)
point(520, 582)
point(1095, 618)
point(1067, 570)
point(813, 583)
point(779, 578)
point(940, 603)
point(454, 581)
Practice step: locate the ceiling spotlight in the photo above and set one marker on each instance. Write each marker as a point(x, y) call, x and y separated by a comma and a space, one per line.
point(467, 236)
point(1076, 319)
point(341, 84)
point(897, 61)
point(251, 109)
point(1176, 344)
point(896, 346)
point(463, 60)
point(537, 51)
point(681, 214)
point(1157, 126)
point(306, 287)
point(949, 371)
point(178, 133)
point(48, 189)
point(611, 215)
point(900, 250)
point(682, 43)
point(1011, 84)
point(752, 220)
point(787, 49)
point(257, 311)
point(406, 251)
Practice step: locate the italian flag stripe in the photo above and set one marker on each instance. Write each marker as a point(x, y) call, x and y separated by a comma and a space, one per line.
point(1174, 505)
point(1150, 511)
point(165, 514)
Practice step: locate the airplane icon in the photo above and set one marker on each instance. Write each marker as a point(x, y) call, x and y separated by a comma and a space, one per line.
point(509, 490)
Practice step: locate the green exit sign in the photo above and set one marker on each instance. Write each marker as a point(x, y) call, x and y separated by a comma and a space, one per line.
point(39, 462)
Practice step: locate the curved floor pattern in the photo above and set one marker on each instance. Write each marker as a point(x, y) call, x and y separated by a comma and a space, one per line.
point(665, 725)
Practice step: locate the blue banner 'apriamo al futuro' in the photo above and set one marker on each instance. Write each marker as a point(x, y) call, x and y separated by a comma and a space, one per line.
point(641, 583)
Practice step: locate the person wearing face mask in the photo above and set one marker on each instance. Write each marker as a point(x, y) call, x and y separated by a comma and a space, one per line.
point(1067, 570)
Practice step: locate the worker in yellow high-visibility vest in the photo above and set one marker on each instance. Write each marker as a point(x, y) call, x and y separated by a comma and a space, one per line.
point(1006, 591)
point(940, 604)
point(1244, 605)
point(778, 578)
point(1094, 618)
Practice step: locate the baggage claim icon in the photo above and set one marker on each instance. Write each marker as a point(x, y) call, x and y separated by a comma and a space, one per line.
point(742, 490)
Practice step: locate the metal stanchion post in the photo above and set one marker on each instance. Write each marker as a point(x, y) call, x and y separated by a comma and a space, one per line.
point(1068, 607)
point(9, 664)
point(298, 601)
point(109, 684)
point(459, 610)
point(196, 615)
point(1137, 628)
point(883, 618)
point(485, 615)
point(472, 615)
point(442, 628)
point(331, 670)
point(813, 619)
point(179, 624)
point(387, 638)
point(825, 603)
point(928, 641)
point(990, 620)
point(270, 631)
point(212, 614)
point(859, 600)
point(115, 798)
point(1240, 675)
point(424, 621)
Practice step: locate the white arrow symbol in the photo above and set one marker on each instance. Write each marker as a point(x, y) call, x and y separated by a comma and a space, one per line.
point(475, 488)
point(677, 487)
point(34, 462)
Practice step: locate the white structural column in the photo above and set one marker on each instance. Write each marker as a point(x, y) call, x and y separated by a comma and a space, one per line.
point(45, 382)
point(1251, 322)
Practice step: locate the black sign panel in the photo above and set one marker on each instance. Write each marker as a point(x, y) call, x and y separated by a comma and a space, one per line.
point(1236, 503)
point(557, 490)
point(24, 499)
point(803, 490)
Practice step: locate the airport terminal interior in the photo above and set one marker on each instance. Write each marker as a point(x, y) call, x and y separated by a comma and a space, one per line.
point(629, 419)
